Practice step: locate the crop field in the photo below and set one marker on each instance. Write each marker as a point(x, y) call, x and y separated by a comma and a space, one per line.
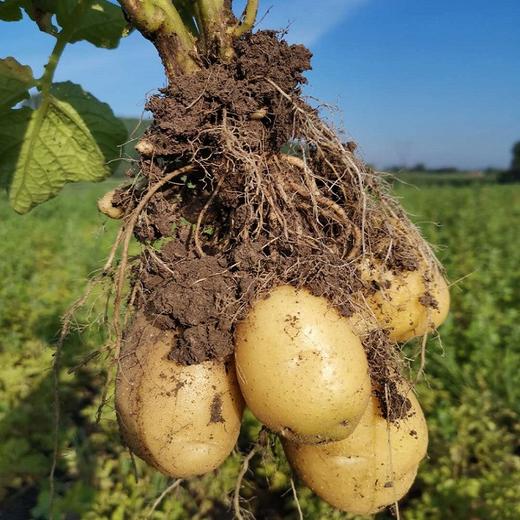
point(470, 391)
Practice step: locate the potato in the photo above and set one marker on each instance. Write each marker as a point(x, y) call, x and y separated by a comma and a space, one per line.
point(373, 468)
point(183, 420)
point(401, 305)
point(106, 207)
point(301, 369)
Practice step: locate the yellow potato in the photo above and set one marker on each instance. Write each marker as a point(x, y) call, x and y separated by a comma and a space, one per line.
point(373, 468)
point(301, 369)
point(106, 207)
point(183, 420)
point(406, 304)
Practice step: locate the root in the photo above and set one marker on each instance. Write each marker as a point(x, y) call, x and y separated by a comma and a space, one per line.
point(422, 366)
point(66, 323)
point(243, 470)
point(160, 498)
point(295, 495)
point(323, 204)
point(305, 220)
point(115, 246)
point(201, 217)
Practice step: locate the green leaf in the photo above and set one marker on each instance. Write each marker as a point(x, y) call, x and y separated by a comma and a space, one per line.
point(102, 23)
point(15, 81)
point(56, 147)
point(10, 11)
point(13, 126)
point(108, 130)
point(41, 12)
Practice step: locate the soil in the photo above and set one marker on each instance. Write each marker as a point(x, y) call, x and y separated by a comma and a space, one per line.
point(248, 217)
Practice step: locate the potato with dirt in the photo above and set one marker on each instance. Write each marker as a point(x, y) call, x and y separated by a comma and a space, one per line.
point(183, 420)
point(106, 206)
point(408, 304)
point(374, 467)
point(301, 369)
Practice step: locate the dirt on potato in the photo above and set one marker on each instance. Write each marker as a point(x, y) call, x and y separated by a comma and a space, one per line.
point(272, 197)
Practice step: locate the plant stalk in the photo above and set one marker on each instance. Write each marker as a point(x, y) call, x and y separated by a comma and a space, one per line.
point(216, 17)
point(184, 30)
point(248, 18)
point(161, 23)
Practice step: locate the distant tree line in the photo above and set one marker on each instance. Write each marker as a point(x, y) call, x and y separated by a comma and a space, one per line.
point(420, 168)
point(487, 174)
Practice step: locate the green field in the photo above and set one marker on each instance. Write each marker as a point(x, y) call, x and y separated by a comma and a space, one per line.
point(471, 394)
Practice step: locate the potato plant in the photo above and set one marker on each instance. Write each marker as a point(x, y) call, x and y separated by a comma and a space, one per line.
point(298, 269)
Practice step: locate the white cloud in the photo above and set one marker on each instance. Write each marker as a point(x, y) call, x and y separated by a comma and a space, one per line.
point(307, 20)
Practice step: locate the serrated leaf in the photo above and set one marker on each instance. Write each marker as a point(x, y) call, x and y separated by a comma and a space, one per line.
point(15, 81)
point(108, 130)
point(10, 11)
point(57, 147)
point(102, 23)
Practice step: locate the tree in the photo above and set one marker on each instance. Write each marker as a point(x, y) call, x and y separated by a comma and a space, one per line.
point(513, 174)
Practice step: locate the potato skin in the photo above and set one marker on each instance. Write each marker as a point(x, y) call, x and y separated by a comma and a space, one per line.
point(106, 207)
point(301, 369)
point(373, 468)
point(182, 420)
point(397, 305)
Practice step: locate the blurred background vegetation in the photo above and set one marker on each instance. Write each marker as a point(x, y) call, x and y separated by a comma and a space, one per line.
point(470, 394)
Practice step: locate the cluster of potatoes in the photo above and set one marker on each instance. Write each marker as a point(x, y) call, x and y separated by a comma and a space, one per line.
point(302, 370)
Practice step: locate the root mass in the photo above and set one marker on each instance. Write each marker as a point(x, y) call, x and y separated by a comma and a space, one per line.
point(274, 197)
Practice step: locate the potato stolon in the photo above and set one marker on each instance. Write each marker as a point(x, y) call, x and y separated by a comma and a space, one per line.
point(371, 469)
point(183, 420)
point(301, 369)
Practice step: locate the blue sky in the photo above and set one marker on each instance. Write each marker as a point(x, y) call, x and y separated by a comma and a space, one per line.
point(413, 80)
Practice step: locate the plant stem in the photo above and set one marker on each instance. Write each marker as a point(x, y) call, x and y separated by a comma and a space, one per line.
point(216, 17)
point(182, 30)
point(160, 22)
point(45, 82)
point(210, 10)
point(248, 18)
